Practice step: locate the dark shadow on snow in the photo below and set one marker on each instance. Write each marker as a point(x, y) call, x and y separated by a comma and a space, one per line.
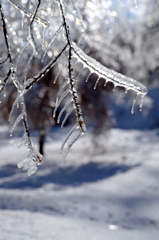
point(12, 177)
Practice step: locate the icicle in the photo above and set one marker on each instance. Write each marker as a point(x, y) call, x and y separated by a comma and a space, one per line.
point(13, 107)
point(106, 80)
point(126, 90)
point(58, 101)
point(114, 86)
point(134, 102)
point(22, 51)
point(96, 82)
point(141, 102)
point(4, 92)
point(63, 109)
point(60, 70)
point(15, 123)
point(31, 41)
point(79, 73)
point(43, 36)
point(52, 40)
point(61, 89)
point(75, 138)
point(75, 59)
point(88, 76)
point(19, 144)
point(27, 66)
point(68, 136)
point(68, 113)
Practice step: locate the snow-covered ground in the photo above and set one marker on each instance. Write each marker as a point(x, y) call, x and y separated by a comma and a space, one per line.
point(105, 193)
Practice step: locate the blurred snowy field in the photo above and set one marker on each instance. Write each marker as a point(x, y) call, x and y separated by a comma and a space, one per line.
point(105, 193)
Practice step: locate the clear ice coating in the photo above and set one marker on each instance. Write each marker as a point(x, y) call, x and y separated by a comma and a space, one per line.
point(72, 141)
point(68, 136)
point(67, 114)
point(110, 75)
point(29, 165)
point(133, 105)
point(19, 118)
point(52, 40)
point(63, 109)
point(58, 101)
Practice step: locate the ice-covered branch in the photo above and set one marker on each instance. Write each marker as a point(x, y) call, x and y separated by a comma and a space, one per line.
point(80, 122)
point(109, 75)
point(31, 36)
point(34, 157)
point(31, 81)
point(22, 49)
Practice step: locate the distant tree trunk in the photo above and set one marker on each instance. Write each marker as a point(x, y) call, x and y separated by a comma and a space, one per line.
point(42, 134)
